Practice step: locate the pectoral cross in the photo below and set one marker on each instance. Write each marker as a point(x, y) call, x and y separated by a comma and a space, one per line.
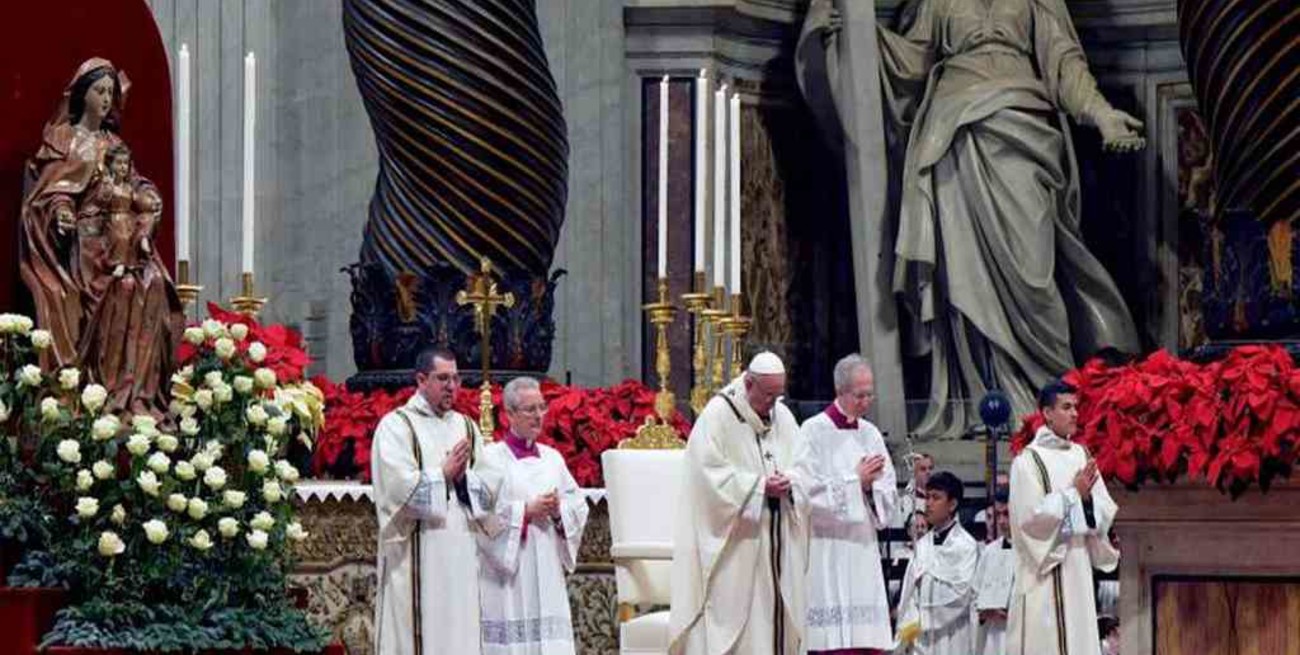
point(483, 295)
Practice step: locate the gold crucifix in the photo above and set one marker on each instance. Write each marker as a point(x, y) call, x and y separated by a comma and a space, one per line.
point(483, 295)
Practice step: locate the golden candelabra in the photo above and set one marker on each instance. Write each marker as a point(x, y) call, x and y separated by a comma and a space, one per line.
point(483, 295)
point(715, 316)
point(697, 303)
point(736, 326)
point(247, 303)
point(660, 433)
point(188, 293)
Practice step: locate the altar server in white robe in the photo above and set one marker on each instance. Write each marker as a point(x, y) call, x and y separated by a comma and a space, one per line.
point(432, 494)
point(525, 599)
point(1060, 516)
point(740, 547)
point(845, 469)
point(937, 604)
point(994, 580)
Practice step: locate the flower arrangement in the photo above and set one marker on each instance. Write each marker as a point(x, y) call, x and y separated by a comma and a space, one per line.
point(1232, 422)
point(169, 532)
point(580, 423)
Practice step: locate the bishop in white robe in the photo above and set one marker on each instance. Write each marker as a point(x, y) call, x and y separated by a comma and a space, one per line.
point(525, 597)
point(1061, 513)
point(937, 604)
point(430, 501)
point(994, 582)
point(843, 467)
point(739, 551)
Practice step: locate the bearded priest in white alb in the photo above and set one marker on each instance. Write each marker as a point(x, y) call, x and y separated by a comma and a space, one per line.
point(937, 604)
point(525, 599)
point(1061, 515)
point(433, 505)
point(739, 551)
point(844, 468)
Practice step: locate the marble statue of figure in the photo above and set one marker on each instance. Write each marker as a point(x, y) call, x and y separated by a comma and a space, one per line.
point(988, 260)
point(86, 249)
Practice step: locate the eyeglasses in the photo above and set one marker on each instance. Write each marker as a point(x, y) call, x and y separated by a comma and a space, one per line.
point(532, 409)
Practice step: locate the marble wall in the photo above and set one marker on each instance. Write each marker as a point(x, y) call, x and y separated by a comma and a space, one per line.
point(316, 158)
point(316, 165)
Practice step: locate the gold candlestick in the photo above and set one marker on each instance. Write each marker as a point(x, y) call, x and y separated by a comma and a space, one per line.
point(697, 303)
point(483, 295)
point(715, 316)
point(188, 293)
point(247, 303)
point(662, 314)
point(736, 326)
point(658, 432)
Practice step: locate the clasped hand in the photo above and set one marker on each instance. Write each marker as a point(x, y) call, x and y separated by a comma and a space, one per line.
point(453, 468)
point(870, 468)
point(1085, 479)
point(776, 485)
point(543, 506)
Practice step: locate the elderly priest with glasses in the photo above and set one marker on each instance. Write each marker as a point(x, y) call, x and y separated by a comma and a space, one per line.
point(524, 598)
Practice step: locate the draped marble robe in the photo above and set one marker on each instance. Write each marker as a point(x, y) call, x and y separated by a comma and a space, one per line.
point(988, 258)
point(738, 567)
point(994, 582)
point(847, 604)
point(429, 532)
point(939, 593)
point(1058, 540)
point(525, 599)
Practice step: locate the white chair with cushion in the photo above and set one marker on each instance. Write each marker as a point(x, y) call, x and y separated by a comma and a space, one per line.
point(641, 486)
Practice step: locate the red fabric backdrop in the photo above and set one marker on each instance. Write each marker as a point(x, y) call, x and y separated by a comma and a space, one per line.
point(41, 45)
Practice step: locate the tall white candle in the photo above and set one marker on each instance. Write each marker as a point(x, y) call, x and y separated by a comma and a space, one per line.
point(720, 186)
point(734, 143)
point(183, 153)
point(250, 119)
point(663, 177)
point(701, 164)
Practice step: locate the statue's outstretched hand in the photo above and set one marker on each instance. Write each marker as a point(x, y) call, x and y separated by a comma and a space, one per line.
point(824, 14)
point(1120, 132)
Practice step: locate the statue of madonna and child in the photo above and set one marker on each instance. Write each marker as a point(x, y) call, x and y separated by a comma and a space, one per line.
point(86, 248)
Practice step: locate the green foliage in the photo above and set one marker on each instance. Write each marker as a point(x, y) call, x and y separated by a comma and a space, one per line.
point(169, 534)
point(178, 628)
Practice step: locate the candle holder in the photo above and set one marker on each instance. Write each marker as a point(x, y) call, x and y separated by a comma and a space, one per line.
point(248, 303)
point(662, 314)
point(736, 326)
point(715, 316)
point(697, 303)
point(188, 293)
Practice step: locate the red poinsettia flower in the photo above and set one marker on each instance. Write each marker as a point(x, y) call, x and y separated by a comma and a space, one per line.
point(1233, 422)
point(580, 423)
point(285, 351)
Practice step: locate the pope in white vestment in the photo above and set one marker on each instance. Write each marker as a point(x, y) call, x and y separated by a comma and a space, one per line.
point(739, 551)
point(937, 606)
point(1060, 536)
point(845, 470)
point(525, 597)
point(430, 503)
